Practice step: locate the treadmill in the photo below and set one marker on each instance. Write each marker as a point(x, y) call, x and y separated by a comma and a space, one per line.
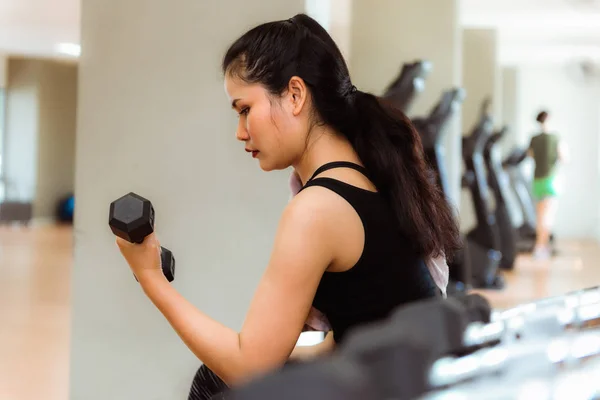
point(403, 91)
point(499, 182)
point(432, 129)
point(483, 240)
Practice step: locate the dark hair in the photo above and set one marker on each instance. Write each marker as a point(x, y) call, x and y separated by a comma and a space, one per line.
point(383, 137)
point(541, 117)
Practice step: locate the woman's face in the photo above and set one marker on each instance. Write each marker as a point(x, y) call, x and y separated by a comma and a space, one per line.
point(272, 128)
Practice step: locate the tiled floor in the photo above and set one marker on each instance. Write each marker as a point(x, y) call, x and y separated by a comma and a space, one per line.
point(35, 288)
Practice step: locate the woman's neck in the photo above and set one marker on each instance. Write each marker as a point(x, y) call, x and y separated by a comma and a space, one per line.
point(325, 145)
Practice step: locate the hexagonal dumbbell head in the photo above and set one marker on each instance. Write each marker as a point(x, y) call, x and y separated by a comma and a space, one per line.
point(131, 217)
point(477, 306)
point(397, 359)
point(442, 322)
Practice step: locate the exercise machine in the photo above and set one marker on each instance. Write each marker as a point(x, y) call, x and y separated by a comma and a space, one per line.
point(432, 129)
point(483, 240)
point(500, 184)
point(403, 91)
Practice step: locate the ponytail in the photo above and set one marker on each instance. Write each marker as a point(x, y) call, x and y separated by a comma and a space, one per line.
point(391, 149)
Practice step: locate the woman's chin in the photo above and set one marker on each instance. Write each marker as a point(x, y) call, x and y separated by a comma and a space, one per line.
point(267, 166)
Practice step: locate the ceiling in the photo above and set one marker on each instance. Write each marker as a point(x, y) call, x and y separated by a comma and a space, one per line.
point(539, 31)
point(36, 27)
point(529, 30)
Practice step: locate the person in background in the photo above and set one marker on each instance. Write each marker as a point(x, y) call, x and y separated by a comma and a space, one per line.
point(547, 151)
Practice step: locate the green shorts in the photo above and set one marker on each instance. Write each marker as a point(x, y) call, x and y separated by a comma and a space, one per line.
point(544, 187)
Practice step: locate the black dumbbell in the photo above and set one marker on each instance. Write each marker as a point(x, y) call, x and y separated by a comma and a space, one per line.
point(478, 307)
point(131, 217)
point(398, 351)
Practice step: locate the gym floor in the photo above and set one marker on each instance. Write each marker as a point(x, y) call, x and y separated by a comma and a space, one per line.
point(35, 268)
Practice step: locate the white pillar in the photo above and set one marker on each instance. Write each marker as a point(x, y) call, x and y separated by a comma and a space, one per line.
point(389, 33)
point(3, 80)
point(510, 105)
point(153, 118)
point(481, 75)
point(336, 17)
point(3, 70)
point(481, 79)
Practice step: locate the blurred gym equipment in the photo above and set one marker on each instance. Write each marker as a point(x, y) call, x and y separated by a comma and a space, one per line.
point(500, 184)
point(548, 349)
point(432, 130)
point(483, 240)
point(65, 208)
point(403, 91)
point(332, 379)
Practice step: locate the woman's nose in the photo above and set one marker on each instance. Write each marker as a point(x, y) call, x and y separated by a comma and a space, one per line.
point(241, 132)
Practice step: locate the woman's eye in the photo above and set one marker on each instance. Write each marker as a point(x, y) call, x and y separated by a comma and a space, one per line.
point(245, 111)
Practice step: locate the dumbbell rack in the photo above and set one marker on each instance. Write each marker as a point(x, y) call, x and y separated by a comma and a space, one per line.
point(543, 350)
point(548, 350)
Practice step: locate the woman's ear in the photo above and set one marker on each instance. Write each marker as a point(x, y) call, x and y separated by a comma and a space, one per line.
point(298, 93)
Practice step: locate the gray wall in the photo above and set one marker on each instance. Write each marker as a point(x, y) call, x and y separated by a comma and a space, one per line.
point(153, 118)
point(40, 134)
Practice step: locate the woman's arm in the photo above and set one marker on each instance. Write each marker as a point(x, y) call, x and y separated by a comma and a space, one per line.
point(283, 299)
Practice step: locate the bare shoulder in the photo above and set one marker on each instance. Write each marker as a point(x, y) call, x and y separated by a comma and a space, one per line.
point(316, 205)
point(329, 223)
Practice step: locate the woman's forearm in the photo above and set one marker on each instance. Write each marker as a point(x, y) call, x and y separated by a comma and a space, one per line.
point(214, 344)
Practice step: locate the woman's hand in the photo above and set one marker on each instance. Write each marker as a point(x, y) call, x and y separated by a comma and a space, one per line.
point(144, 258)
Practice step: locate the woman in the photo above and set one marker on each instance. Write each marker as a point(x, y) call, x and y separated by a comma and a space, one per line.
point(352, 243)
point(547, 151)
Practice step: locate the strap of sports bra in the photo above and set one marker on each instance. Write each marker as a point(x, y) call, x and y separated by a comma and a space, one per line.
point(339, 164)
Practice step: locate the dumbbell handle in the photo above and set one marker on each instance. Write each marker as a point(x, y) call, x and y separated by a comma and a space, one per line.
point(167, 261)
point(572, 299)
point(453, 370)
point(477, 333)
point(579, 383)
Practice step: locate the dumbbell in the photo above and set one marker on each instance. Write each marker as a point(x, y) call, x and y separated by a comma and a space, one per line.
point(547, 318)
point(419, 348)
point(506, 371)
point(574, 298)
point(323, 379)
point(398, 351)
point(131, 217)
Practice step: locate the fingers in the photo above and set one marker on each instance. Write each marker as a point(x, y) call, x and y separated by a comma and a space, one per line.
point(122, 243)
point(150, 241)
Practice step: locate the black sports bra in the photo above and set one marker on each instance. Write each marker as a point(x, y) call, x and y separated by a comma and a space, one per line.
point(388, 272)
